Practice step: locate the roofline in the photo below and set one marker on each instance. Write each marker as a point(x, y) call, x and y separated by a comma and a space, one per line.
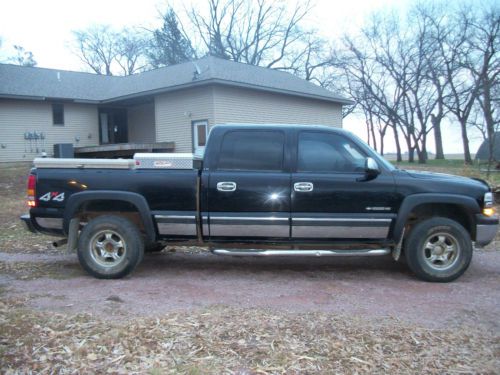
point(224, 82)
point(49, 98)
point(339, 100)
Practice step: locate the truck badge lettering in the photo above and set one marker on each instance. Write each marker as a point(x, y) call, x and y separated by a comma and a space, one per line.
point(52, 195)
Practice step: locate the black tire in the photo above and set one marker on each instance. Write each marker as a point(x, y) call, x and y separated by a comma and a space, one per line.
point(438, 249)
point(110, 247)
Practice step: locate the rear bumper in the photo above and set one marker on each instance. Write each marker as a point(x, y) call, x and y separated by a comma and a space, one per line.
point(46, 225)
point(26, 219)
point(486, 229)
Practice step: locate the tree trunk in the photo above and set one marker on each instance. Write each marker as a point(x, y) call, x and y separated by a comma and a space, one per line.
point(368, 133)
point(436, 122)
point(465, 141)
point(372, 131)
point(382, 135)
point(422, 154)
point(373, 136)
point(398, 146)
point(490, 127)
point(411, 154)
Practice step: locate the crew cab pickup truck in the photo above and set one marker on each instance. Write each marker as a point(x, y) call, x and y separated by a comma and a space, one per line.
point(263, 190)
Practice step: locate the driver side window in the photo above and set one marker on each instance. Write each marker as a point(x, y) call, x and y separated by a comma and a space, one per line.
point(327, 152)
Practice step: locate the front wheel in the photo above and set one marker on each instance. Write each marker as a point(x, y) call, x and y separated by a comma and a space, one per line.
point(110, 247)
point(438, 249)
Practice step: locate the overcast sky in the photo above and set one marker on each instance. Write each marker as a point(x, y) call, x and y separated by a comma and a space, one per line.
point(44, 28)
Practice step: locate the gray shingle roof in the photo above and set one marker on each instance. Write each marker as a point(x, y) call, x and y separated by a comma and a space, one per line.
point(17, 81)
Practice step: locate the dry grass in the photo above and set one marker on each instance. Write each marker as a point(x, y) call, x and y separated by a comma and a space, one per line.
point(223, 340)
point(35, 270)
point(13, 236)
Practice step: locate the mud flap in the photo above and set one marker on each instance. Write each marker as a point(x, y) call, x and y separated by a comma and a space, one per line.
point(396, 252)
point(74, 225)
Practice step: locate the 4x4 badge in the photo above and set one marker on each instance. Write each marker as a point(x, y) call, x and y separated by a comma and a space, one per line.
point(52, 196)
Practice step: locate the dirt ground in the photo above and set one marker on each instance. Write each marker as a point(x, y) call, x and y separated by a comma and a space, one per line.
point(187, 311)
point(372, 288)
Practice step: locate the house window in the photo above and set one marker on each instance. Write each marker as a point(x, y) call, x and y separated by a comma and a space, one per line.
point(58, 114)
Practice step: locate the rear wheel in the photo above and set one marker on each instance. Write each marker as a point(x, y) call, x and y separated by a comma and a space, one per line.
point(438, 249)
point(110, 247)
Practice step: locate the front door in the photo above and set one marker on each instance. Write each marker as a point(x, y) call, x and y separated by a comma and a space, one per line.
point(249, 190)
point(331, 199)
point(200, 133)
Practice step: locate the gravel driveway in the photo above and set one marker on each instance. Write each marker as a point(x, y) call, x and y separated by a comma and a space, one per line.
point(175, 281)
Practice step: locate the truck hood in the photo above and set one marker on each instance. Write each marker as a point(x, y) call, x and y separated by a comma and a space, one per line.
point(448, 178)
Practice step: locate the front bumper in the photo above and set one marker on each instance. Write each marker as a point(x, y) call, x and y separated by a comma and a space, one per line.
point(486, 229)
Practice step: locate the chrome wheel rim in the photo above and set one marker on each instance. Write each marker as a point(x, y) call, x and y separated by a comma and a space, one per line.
point(108, 248)
point(441, 251)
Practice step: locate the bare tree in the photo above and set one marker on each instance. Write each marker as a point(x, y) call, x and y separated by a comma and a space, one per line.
point(483, 62)
point(261, 32)
point(430, 19)
point(107, 51)
point(96, 47)
point(131, 48)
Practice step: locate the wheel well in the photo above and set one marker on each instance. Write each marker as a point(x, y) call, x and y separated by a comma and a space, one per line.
point(91, 209)
point(451, 211)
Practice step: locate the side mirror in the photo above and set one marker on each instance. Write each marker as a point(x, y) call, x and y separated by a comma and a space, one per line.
point(372, 169)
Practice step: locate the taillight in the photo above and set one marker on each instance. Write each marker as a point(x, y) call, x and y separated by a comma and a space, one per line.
point(31, 190)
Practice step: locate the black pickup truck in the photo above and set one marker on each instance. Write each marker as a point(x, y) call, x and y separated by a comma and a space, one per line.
point(263, 190)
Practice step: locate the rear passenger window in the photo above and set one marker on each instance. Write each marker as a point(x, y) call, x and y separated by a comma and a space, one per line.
point(245, 150)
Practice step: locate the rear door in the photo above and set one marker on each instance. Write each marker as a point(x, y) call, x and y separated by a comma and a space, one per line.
point(330, 197)
point(249, 188)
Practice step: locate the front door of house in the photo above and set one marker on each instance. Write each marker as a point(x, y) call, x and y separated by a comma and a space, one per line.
point(200, 133)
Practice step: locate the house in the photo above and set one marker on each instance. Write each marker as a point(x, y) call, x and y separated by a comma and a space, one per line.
point(40, 107)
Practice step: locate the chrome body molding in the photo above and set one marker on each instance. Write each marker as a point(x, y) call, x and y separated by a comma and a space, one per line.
point(175, 216)
point(485, 234)
point(307, 231)
point(257, 225)
point(341, 227)
point(177, 229)
point(176, 224)
point(50, 222)
point(274, 225)
point(311, 253)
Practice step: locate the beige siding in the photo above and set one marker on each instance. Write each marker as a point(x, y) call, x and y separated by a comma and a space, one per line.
point(175, 112)
point(18, 117)
point(141, 123)
point(235, 105)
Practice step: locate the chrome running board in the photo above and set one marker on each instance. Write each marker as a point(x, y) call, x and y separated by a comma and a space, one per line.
point(310, 253)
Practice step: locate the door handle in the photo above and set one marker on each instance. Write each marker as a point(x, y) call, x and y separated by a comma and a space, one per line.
point(226, 186)
point(303, 187)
